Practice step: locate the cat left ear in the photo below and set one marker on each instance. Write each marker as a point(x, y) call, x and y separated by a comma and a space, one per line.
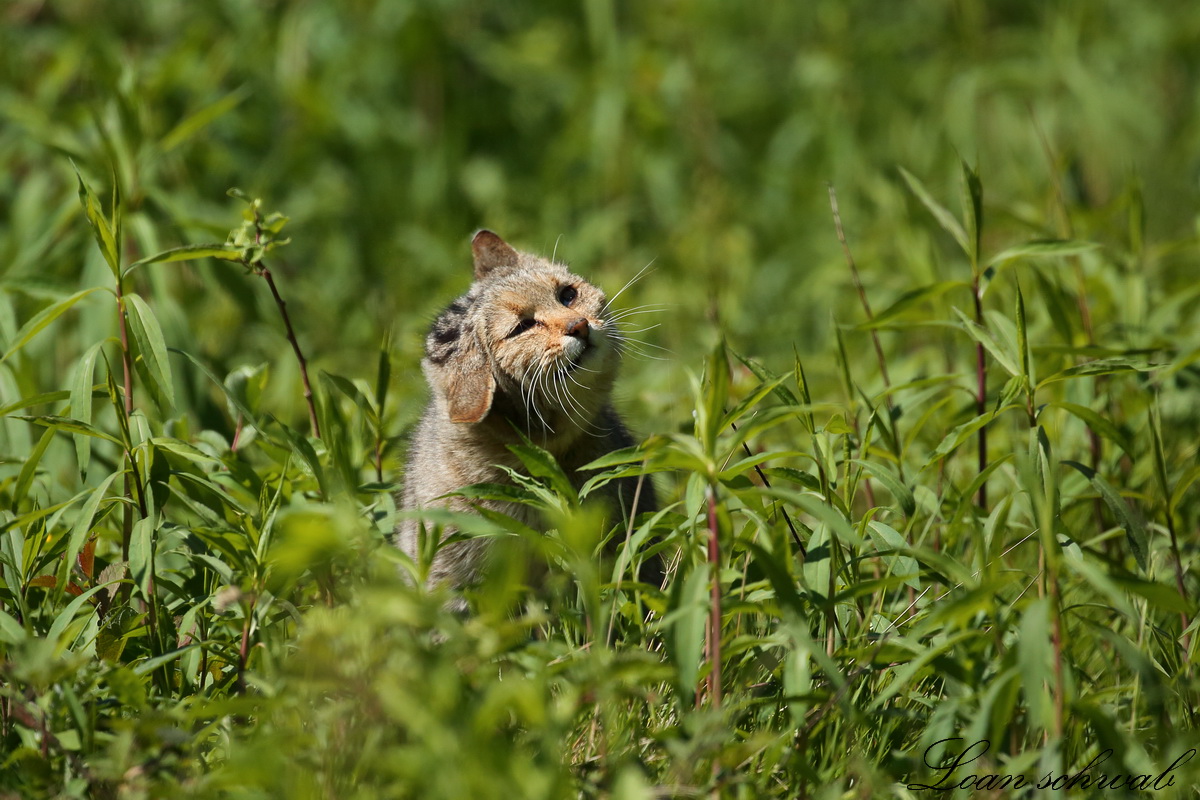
point(491, 253)
point(469, 386)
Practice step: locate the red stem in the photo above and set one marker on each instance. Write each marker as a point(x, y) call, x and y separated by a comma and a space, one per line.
point(291, 335)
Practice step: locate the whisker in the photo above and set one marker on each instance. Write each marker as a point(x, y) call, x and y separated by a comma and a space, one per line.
point(629, 283)
point(640, 343)
point(641, 330)
point(538, 378)
point(584, 424)
point(649, 308)
point(623, 316)
point(637, 348)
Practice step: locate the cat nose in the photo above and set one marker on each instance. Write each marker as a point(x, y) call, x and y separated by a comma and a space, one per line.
point(577, 328)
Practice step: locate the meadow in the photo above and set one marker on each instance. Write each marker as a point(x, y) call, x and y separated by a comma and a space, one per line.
point(917, 386)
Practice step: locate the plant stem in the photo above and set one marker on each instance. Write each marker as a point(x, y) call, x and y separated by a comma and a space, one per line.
point(1056, 641)
point(714, 618)
point(1177, 563)
point(244, 648)
point(762, 477)
point(127, 370)
point(291, 335)
point(379, 456)
point(981, 392)
point(862, 292)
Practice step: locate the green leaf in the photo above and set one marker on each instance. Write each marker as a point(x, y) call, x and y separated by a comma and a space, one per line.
point(193, 123)
point(740, 466)
point(909, 671)
point(688, 620)
point(960, 434)
point(43, 318)
point(1135, 531)
point(81, 404)
point(753, 399)
point(1099, 424)
point(347, 387)
point(383, 375)
point(1023, 342)
point(714, 395)
point(626, 455)
point(141, 554)
point(1101, 366)
point(67, 615)
point(1043, 248)
point(105, 235)
point(1005, 357)
point(29, 468)
point(151, 664)
point(152, 347)
point(943, 216)
point(34, 400)
point(1161, 595)
point(1182, 486)
point(887, 538)
point(910, 300)
point(764, 375)
point(83, 526)
point(191, 252)
point(499, 492)
point(68, 425)
point(972, 201)
point(540, 463)
point(814, 504)
point(892, 483)
point(11, 631)
point(249, 416)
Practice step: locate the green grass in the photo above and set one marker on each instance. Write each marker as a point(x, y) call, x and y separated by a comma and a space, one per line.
point(960, 504)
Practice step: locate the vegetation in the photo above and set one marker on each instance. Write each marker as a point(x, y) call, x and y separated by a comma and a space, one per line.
point(928, 454)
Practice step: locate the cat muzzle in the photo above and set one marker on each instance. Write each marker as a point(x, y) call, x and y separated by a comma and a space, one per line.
point(578, 328)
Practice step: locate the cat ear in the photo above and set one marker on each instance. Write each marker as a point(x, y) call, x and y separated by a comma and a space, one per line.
point(491, 252)
point(469, 385)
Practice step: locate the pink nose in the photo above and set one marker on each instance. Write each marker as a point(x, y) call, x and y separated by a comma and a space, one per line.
point(578, 328)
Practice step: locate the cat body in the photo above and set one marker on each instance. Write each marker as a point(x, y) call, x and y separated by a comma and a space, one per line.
point(529, 347)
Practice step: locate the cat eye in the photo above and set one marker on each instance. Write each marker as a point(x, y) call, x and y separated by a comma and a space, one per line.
point(567, 295)
point(522, 326)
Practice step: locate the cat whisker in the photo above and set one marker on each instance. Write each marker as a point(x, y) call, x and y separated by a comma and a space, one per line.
point(617, 319)
point(561, 404)
point(628, 283)
point(538, 376)
point(640, 343)
point(649, 308)
point(573, 402)
point(638, 348)
point(625, 330)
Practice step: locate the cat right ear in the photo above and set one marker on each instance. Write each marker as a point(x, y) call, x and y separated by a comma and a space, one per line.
point(491, 253)
point(469, 386)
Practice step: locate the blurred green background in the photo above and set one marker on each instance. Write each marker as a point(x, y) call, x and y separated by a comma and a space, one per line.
point(697, 135)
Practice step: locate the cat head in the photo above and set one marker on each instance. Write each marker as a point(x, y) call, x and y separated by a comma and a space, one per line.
point(529, 340)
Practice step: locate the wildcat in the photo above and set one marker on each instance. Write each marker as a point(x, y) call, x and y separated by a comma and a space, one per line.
point(529, 347)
